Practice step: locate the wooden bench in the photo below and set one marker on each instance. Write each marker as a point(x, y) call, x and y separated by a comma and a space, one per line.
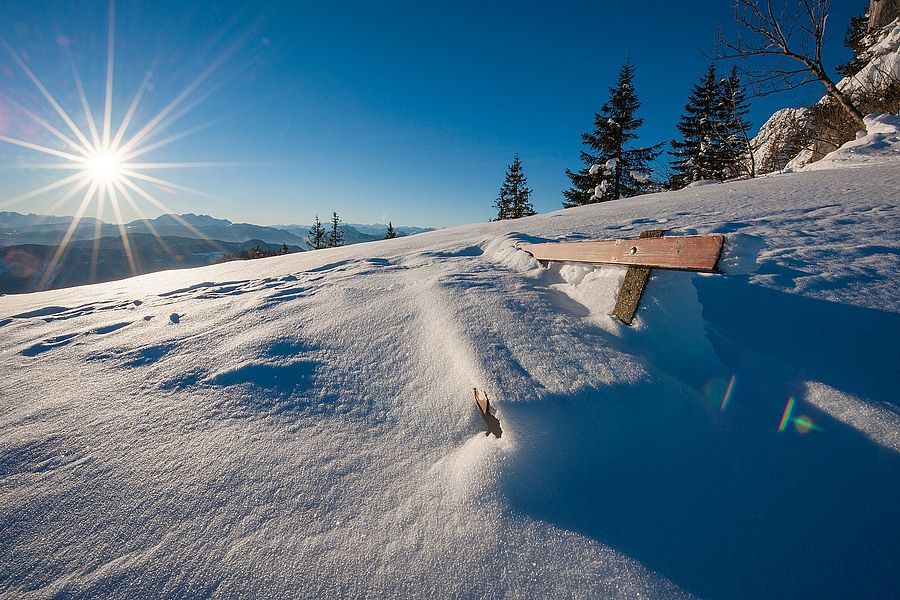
point(650, 251)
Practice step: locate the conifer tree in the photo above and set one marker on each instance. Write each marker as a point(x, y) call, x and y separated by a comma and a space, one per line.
point(336, 238)
point(856, 40)
point(696, 153)
point(284, 249)
point(614, 168)
point(715, 140)
point(316, 239)
point(391, 234)
point(502, 203)
point(513, 200)
point(734, 153)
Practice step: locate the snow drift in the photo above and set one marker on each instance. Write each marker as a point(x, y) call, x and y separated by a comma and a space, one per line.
point(303, 426)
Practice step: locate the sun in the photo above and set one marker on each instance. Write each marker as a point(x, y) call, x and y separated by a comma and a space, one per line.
point(105, 166)
point(102, 154)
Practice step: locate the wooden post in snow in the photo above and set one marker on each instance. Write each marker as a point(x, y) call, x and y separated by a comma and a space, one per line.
point(484, 406)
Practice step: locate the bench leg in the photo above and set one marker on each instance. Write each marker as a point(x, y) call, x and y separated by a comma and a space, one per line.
point(633, 287)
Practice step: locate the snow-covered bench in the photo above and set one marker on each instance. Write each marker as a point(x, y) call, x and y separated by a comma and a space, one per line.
point(650, 251)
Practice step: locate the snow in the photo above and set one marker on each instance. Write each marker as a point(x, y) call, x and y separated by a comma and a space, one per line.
point(882, 68)
point(703, 182)
point(639, 176)
point(879, 144)
point(304, 426)
point(611, 164)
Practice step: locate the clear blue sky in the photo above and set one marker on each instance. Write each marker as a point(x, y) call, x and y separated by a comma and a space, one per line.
point(401, 111)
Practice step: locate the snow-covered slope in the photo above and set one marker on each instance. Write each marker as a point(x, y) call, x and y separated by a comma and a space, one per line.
point(303, 426)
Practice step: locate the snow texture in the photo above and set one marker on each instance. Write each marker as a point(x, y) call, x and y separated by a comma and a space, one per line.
point(304, 426)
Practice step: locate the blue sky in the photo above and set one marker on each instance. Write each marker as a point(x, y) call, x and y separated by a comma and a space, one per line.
point(401, 111)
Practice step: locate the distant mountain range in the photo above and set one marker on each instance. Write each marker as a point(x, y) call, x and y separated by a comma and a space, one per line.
point(16, 228)
point(355, 233)
point(28, 243)
point(23, 266)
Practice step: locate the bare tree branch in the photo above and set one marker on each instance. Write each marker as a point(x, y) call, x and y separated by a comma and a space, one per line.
point(775, 35)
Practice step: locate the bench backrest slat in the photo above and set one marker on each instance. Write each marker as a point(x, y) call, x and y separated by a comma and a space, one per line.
point(688, 253)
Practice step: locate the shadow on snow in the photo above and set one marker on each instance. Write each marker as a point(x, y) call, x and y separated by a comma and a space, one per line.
point(721, 509)
point(722, 503)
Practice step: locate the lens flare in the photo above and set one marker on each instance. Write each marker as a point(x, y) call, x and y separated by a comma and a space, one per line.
point(787, 414)
point(804, 424)
point(727, 394)
point(20, 264)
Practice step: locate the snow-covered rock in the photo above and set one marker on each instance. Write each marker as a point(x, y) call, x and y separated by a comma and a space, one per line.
point(879, 144)
point(304, 425)
point(781, 139)
point(883, 66)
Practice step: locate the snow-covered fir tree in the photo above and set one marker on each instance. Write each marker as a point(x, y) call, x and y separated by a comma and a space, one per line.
point(734, 150)
point(715, 141)
point(695, 154)
point(614, 167)
point(513, 200)
point(391, 234)
point(316, 239)
point(335, 238)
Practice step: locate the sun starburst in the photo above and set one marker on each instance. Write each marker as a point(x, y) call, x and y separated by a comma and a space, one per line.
point(103, 156)
point(105, 166)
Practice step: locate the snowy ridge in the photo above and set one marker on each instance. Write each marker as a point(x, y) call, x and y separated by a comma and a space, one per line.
point(303, 426)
